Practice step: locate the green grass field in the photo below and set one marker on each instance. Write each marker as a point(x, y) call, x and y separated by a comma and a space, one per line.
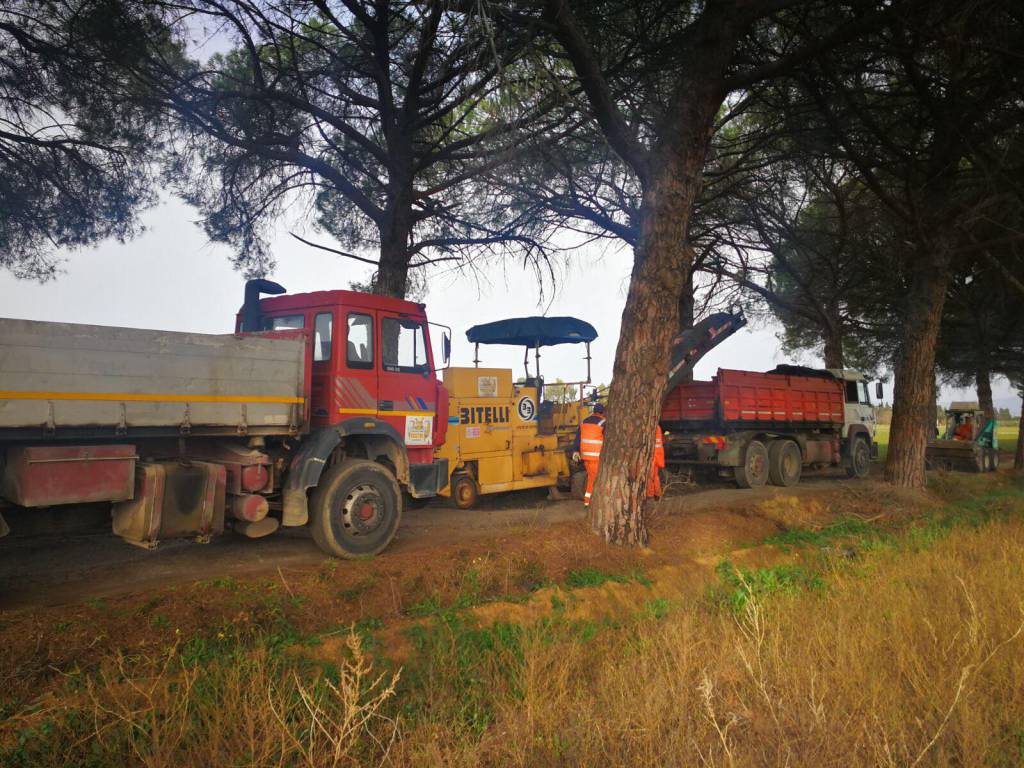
point(1006, 432)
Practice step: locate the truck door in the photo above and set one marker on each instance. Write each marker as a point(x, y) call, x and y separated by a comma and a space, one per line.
point(322, 385)
point(407, 390)
point(858, 409)
point(356, 384)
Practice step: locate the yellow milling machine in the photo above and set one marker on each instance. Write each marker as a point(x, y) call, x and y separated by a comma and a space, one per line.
point(504, 435)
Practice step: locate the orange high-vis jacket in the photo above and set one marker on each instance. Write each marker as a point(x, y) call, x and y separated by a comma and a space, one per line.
point(659, 448)
point(591, 439)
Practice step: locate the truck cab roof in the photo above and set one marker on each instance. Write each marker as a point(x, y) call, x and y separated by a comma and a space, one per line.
point(294, 301)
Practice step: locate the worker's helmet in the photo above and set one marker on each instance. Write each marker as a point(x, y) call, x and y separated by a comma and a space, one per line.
point(598, 408)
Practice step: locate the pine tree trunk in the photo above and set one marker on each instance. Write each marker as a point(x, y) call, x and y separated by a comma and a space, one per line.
point(1018, 458)
point(640, 375)
point(396, 233)
point(671, 173)
point(393, 269)
point(662, 266)
point(687, 307)
point(913, 415)
point(983, 379)
point(833, 349)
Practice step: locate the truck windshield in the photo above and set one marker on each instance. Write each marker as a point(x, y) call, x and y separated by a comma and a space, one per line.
point(405, 349)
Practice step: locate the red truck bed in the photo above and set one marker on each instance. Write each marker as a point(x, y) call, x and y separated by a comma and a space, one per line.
point(745, 399)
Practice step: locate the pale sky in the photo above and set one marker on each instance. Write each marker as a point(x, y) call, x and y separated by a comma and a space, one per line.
point(172, 278)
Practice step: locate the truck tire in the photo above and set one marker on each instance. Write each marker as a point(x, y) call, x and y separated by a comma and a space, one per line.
point(753, 473)
point(859, 463)
point(356, 508)
point(465, 492)
point(785, 464)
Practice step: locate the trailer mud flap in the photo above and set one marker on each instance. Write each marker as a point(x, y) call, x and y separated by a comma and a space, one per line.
point(173, 500)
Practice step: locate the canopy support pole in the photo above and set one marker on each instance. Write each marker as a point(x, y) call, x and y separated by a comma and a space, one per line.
point(588, 365)
point(476, 356)
point(540, 384)
point(526, 361)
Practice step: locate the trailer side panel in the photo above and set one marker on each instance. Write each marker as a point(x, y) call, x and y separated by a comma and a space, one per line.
point(61, 379)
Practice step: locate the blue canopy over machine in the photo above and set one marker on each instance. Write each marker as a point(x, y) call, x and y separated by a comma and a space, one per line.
point(533, 333)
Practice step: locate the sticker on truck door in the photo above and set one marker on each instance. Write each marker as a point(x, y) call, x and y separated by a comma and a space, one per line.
point(419, 430)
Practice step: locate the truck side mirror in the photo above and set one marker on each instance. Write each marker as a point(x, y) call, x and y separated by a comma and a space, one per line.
point(446, 347)
point(879, 392)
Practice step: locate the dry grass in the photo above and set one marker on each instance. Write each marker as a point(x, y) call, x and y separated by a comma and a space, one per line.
point(898, 650)
point(249, 710)
point(905, 660)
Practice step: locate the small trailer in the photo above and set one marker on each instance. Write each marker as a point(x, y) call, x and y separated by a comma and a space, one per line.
point(766, 427)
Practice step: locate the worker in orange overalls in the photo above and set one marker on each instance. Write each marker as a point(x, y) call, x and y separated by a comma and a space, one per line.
point(654, 481)
point(965, 430)
point(589, 439)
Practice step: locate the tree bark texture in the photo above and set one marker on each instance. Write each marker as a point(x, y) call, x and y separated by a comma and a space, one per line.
point(649, 322)
point(393, 268)
point(1018, 457)
point(661, 268)
point(833, 349)
point(913, 418)
point(687, 308)
point(983, 380)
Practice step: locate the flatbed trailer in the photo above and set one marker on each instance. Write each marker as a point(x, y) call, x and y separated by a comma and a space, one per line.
point(766, 427)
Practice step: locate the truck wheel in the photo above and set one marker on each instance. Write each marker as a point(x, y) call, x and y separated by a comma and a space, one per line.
point(357, 507)
point(785, 464)
point(464, 491)
point(753, 473)
point(859, 464)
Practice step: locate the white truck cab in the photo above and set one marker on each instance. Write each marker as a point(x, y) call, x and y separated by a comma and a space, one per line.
point(858, 410)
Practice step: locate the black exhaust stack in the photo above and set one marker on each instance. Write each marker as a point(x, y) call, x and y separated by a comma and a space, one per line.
point(251, 316)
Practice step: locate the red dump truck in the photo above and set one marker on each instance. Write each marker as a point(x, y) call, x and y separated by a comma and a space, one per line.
point(766, 427)
point(321, 408)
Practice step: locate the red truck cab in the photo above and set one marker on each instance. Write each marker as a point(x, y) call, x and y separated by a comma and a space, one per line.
point(373, 393)
point(371, 356)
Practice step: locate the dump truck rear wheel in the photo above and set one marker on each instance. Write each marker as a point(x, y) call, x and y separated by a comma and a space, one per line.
point(785, 464)
point(753, 473)
point(465, 491)
point(356, 507)
point(859, 463)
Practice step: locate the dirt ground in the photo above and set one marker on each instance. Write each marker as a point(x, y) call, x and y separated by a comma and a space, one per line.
point(65, 569)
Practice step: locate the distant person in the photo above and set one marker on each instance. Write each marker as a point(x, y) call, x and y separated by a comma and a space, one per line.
point(658, 464)
point(965, 431)
point(589, 440)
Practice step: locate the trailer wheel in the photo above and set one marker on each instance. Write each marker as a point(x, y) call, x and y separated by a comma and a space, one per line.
point(785, 464)
point(859, 464)
point(753, 473)
point(465, 491)
point(356, 507)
